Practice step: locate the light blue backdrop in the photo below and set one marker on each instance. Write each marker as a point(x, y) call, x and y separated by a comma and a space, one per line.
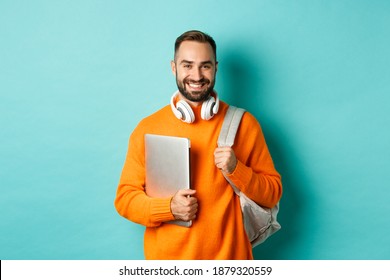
point(77, 76)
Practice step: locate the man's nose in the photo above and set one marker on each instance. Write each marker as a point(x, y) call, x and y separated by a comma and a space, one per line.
point(196, 74)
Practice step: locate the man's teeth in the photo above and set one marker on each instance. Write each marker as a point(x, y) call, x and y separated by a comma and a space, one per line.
point(195, 85)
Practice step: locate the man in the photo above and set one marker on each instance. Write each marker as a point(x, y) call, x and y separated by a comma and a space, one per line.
point(195, 112)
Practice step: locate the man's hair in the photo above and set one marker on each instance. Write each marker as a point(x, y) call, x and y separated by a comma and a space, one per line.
point(197, 36)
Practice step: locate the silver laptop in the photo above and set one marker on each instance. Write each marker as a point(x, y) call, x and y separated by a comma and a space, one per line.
point(167, 165)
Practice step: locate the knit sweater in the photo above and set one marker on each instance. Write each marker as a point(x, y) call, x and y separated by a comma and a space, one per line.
point(218, 231)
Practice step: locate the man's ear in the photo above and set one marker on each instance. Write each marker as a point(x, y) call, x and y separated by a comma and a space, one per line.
point(216, 66)
point(173, 67)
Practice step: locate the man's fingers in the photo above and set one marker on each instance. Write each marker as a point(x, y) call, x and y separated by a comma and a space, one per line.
point(184, 205)
point(225, 159)
point(186, 192)
point(185, 196)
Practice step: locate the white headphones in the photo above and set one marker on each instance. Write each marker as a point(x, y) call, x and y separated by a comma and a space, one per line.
point(183, 110)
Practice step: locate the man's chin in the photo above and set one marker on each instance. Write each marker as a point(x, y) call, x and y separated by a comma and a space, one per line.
point(195, 96)
point(198, 95)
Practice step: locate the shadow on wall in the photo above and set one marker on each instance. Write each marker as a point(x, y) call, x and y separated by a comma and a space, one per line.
point(244, 85)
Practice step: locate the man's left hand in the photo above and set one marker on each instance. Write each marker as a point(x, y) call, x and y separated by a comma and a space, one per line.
point(225, 159)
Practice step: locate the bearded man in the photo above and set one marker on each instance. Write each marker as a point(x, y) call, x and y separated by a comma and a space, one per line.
point(196, 112)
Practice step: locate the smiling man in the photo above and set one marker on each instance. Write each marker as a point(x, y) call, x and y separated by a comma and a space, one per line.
point(195, 112)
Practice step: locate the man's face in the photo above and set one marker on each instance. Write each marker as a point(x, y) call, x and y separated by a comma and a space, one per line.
point(195, 68)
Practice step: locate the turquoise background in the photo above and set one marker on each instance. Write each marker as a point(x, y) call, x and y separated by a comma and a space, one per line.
point(77, 76)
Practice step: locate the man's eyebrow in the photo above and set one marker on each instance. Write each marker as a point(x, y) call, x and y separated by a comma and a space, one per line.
point(206, 62)
point(186, 62)
point(191, 62)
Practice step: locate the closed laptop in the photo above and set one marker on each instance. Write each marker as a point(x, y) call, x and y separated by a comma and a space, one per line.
point(167, 162)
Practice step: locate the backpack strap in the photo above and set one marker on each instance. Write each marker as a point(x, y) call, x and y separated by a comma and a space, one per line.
point(230, 126)
point(228, 132)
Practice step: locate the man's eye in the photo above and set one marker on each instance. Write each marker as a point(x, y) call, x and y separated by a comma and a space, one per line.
point(188, 66)
point(206, 66)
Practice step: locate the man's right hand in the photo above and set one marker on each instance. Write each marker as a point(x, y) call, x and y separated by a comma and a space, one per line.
point(184, 206)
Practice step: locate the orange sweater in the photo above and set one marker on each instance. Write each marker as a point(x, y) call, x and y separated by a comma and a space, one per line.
point(217, 232)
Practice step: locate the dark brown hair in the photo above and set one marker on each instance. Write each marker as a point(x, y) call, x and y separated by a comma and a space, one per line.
point(198, 36)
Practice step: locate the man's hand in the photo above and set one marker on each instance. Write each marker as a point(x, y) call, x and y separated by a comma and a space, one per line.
point(225, 159)
point(184, 206)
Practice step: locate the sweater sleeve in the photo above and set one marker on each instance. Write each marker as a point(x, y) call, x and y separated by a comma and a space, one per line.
point(255, 174)
point(131, 200)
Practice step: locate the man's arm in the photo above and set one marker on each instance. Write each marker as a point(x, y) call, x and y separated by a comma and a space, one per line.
point(249, 164)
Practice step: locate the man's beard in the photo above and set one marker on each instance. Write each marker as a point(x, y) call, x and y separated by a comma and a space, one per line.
point(193, 95)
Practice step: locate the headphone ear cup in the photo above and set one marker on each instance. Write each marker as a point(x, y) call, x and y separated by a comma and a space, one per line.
point(207, 111)
point(184, 108)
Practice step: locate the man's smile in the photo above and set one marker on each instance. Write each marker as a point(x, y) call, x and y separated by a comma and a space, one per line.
point(197, 85)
